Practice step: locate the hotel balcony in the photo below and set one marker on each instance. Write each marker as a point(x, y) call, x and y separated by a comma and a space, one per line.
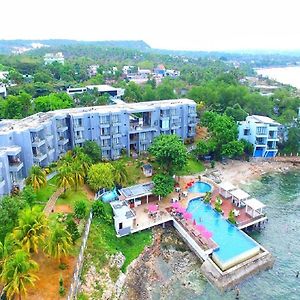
point(192, 114)
point(39, 157)
point(104, 125)
point(49, 137)
point(79, 139)
point(63, 141)
point(15, 165)
point(38, 142)
point(62, 128)
point(143, 128)
point(117, 123)
point(144, 142)
point(273, 137)
point(261, 143)
point(50, 151)
point(105, 147)
point(105, 136)
point(116, 145)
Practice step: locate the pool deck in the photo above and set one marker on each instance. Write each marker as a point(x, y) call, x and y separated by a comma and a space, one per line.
point(201, 246)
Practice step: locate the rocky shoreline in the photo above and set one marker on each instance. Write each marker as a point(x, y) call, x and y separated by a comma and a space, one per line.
point(163, 269)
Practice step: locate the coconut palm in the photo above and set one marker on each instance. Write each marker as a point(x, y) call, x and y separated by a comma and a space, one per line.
point(120, 173)
point(65, 178)
point(67, 159)
point(78, 173)
point(8, 247)
point(37, 177)
point(85, 161)
point(31, 229)
point(17, 273)
point(59, 242)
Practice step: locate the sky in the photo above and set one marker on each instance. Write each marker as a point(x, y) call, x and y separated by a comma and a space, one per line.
point(178, 24)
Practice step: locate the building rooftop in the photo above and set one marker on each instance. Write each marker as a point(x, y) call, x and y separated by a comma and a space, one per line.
point(138, 190)
point(254, 204)
point(239, 194)
point(262, 119)
point(35, 121)
point(227, 186)
point(122, 210)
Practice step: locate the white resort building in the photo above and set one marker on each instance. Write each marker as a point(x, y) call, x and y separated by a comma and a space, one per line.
point(262, 133)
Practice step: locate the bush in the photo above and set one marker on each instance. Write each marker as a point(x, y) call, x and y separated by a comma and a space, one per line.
point(72, 229)
point(61, 289)
point(100, 212)
point(231, 217)
point(114, 273)
point(80, 209)
point(212, 164)
point(207, 197)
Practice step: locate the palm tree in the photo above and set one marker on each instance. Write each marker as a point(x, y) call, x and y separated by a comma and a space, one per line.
point(65, 178)
point(37, 177)
point(17, 273)
point(59, 242)
point(78, 173)
point(31, 229)
point(85, 161)
point(67, 159)
point(120, 173)
point(7, 248)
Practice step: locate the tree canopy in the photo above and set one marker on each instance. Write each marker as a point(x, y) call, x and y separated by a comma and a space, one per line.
point(169, 152)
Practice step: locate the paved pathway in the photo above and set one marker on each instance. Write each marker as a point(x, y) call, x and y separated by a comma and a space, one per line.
point(52, 201)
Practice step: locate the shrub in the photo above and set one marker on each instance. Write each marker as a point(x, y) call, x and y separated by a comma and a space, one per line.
point(61, 289)
point(72, 229)
point(80, 209)
point(207, 197)
point(100, 212)
point(212, 164)
point(114, 273)
point(231, 217)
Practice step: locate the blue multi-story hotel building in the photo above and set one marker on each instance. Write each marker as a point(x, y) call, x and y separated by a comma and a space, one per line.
point(44, 137)
point(262, 133)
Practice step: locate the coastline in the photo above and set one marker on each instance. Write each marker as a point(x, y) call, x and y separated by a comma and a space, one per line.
point(242, 172)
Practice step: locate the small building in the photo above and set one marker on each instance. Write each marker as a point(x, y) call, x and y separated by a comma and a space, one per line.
point(107, 89)
point(50, 58)
point(262, 133)
point(93, 70)
point(147, 170)
point(254, 207)
point(124, 217)
point(137, 194)
point(239, 197)
point(225, 188)
point(160, 70)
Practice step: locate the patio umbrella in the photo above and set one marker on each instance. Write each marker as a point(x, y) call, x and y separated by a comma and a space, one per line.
point(201, 228)
point(207, 234)
point(152, 208)
point(187, 215)
point(175, 204)
point(181, 210)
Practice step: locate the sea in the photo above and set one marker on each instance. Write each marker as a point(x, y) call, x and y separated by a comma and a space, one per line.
point(286, 75)
point(281, 236)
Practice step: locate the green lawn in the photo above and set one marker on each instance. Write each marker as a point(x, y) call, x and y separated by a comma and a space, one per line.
point(193, 166)
point(133, 167)
point(102, 241)
point(46, 192)
point(71, 196)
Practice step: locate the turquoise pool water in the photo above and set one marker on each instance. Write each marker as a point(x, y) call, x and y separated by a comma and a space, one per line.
point(200, 187)
point(232, 242)
point(109, 196)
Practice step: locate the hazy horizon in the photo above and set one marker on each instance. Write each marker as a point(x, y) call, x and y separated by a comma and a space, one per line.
point(191, 25)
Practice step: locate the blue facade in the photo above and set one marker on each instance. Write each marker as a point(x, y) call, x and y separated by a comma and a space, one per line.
point(42, 138)
point(262, 133)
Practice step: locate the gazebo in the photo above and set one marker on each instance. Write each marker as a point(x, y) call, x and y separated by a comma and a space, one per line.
point(239, 196)
point(225, 188)
point(254, 207)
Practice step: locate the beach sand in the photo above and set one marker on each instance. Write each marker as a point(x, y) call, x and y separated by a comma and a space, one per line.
point(241, 172)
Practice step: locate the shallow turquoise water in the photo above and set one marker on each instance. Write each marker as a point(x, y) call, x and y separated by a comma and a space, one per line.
point(281, 194)
point(231, 241)
point(200, 187)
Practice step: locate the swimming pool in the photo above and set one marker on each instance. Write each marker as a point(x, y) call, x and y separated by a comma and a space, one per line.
point(234, 245)
point(200, 187)
point(109, 196)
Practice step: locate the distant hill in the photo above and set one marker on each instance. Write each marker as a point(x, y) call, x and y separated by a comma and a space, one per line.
point(9, 46)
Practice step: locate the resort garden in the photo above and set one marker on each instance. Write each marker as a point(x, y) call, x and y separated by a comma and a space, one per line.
point(42, 226)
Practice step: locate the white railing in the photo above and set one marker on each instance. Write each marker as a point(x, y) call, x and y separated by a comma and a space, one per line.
point(77, 271)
